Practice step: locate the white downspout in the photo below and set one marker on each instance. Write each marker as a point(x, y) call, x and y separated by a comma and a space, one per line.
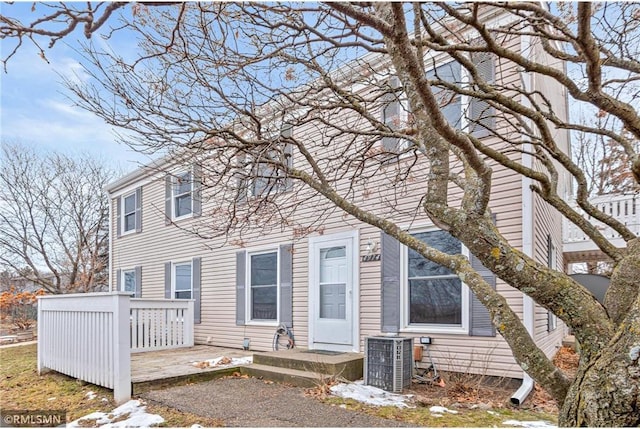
point(528, 309)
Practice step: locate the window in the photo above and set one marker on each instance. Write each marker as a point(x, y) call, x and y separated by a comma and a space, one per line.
point(129, 214)
point(480, 116)
point(182, 199)
point(263, 282)
point(449, 101)
point(435, 296)
point(183, 194)
point(182, 281)
point(394, 116)
point(266, 176)
point(129, 281)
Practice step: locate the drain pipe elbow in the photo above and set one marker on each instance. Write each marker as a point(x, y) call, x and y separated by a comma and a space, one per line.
point(521, 394)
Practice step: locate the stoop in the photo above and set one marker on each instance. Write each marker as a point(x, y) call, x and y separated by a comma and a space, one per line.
point(305, 368)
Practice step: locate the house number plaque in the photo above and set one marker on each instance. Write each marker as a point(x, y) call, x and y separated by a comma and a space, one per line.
point(370, 258)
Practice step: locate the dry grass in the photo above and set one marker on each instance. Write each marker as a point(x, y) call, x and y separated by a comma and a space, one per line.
point(23, 389)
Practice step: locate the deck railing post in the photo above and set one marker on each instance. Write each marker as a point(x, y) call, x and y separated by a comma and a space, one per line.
point(188, 325)
point(122, 348)
point(40, 347)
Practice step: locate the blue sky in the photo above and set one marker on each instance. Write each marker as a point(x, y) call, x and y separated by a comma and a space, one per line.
point(36, 109)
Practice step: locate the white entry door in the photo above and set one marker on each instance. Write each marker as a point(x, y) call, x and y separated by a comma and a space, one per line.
point(332, 282)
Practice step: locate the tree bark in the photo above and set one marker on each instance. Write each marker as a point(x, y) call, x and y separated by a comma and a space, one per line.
point(606, 391)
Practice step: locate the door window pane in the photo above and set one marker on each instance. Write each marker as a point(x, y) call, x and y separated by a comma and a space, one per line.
point(333, 282)
point(332, 301)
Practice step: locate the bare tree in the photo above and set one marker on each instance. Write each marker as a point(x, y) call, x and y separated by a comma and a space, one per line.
point(54, 219)
point(227, 82)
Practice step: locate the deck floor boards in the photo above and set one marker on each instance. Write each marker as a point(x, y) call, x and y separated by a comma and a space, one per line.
point(164, 364)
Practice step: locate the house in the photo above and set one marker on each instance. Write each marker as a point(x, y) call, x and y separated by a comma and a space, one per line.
point(333, 279)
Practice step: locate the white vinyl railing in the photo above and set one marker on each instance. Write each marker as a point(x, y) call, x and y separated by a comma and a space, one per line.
point(86, 336)
point(91, 336)
point(625, 208)
point(158, 324)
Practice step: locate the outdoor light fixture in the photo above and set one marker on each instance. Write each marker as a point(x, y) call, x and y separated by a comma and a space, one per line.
point(425, 340)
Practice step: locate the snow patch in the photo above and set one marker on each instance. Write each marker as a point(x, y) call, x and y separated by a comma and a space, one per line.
point(530, 424)
point(370, 395)
point(223, 362)
point(90, 395)
point(131, 414)
point(438, 411)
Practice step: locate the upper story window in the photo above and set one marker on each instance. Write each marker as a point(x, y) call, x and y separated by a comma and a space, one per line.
point(129, 215)
point(263, 172)
point(474, 115)
point(450, 102)
point(129, 212)
point(182, 189)
point(183, 194)
point(435, 298)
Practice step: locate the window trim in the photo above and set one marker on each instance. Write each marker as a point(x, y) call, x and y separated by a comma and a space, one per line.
point(174, 196)
point(405, 326)
point(173, 277)
point(123, 283)
point(248, 290)
point(123, 215)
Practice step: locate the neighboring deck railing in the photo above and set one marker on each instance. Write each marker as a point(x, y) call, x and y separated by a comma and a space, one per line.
point(625, 208)
point(91, 336)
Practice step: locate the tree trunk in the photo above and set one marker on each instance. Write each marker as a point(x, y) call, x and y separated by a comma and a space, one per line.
point(606, 391)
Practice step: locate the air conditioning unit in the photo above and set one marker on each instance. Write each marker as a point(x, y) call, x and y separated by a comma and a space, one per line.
point(388, 362)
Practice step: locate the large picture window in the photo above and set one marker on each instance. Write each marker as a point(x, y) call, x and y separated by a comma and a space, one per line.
point(263, 281)
point(434, 293)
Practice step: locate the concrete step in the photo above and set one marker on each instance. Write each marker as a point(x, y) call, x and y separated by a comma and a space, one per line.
point(345, 365)
point(294, 377)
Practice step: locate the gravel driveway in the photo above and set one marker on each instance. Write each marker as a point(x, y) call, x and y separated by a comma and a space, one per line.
point(249, 402)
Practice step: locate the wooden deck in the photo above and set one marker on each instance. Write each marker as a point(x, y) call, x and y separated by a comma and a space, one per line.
point(158, 369)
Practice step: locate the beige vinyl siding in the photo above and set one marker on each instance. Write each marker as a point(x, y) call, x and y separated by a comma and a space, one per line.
point(159, 243)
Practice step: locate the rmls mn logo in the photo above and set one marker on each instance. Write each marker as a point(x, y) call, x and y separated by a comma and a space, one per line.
point(33, 418)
